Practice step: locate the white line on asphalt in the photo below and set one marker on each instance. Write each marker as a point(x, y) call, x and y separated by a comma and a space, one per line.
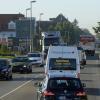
point(14, 89)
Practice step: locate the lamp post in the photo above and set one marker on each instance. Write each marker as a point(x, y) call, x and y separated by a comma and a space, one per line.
point(31, 35)
point(27, 39)
point(27, 10)
point(40, 30)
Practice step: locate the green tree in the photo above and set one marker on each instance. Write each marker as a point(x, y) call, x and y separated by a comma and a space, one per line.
point(70, 31)
point(97, 30)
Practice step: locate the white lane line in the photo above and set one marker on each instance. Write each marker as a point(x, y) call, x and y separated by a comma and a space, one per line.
point(14, 89)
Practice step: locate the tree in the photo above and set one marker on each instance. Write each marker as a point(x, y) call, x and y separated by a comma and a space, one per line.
point(97, 30)
point(75, 22)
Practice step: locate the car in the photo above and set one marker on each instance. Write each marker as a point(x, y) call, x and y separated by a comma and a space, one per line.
point(5, 69)
point(21, 64)
point(36, 58)
point(61, 88)
point(63, 59)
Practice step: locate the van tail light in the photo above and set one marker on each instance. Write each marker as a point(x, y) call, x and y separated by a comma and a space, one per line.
point(48, 93)
point(80, 94)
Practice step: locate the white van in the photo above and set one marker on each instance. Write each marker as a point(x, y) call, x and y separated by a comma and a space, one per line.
point(63, 60)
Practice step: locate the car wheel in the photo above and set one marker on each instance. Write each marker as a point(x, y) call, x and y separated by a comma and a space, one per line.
point(41, 98)
point(7, 78)
point(29, 70)
point(10, 77)
point(38, 97)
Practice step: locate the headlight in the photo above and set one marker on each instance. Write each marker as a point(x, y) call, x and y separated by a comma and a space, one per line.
point(5, 71)
point(24, 66)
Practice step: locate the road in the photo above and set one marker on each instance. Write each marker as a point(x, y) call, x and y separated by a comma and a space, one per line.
point(91, 76)
point(22, 88)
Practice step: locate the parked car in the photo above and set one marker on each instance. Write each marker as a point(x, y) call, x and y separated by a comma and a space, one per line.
point(5, 69)
point(21, 64)
point(61, 88)
point(36, 58)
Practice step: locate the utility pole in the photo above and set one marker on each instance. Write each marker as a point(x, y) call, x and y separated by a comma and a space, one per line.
point(27, 39)
point(31, 35)
point(40, 30)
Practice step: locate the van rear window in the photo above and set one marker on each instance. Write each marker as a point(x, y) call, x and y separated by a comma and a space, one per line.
point(62, 64)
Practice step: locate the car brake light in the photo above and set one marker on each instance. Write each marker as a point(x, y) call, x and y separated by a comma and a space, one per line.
point(81, 94)
point(48, 93)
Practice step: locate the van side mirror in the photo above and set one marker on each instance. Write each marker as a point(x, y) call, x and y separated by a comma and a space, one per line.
point(37, 84)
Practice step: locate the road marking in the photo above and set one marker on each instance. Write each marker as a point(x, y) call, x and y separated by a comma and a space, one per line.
point(15, 89)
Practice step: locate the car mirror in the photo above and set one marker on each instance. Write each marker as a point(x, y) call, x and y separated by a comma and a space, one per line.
point(83, 85)
point(37, 84)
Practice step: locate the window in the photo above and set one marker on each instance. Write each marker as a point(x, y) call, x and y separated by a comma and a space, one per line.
point(62, 64)
point(64, 83)
point(3, 63)
point(51, 41)
point(11, 25)
point(34, 55)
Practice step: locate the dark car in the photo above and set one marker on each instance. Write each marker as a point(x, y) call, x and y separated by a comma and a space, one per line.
point(61, 88)
point(5, 69)
point(21, 64)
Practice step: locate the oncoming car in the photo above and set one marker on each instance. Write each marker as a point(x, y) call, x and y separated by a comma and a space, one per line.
point(61, 88)
point(5, 69)
point(35, 58)
point(21, 64)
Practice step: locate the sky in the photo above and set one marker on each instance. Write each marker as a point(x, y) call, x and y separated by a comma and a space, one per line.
point(85, 11)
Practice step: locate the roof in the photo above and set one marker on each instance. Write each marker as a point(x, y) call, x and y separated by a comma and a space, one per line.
point(6, 18)
point(63, 52)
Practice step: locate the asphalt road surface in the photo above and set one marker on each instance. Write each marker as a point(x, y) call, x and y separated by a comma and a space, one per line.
point(22, 88)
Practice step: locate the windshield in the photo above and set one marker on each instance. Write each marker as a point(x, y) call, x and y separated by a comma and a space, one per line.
point(62, 64)
point(51, 41)
point(3, 63)
point(34, 55)
point(64, 83)
point(20, 59)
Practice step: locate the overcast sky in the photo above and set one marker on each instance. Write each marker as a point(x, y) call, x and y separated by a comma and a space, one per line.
point(87, 12)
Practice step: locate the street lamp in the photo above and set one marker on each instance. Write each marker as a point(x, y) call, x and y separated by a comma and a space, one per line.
point(27, 10)
point(40, 29)
point(31, 35)
point(27, 39)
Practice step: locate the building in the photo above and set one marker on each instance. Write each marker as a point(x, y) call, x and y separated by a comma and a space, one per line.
point(23, 33)
point(8, 27)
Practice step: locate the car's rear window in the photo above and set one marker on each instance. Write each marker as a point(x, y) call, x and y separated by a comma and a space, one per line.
point(34, 55)
point(64, 83)
point(20, 59)
point(62, 64)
